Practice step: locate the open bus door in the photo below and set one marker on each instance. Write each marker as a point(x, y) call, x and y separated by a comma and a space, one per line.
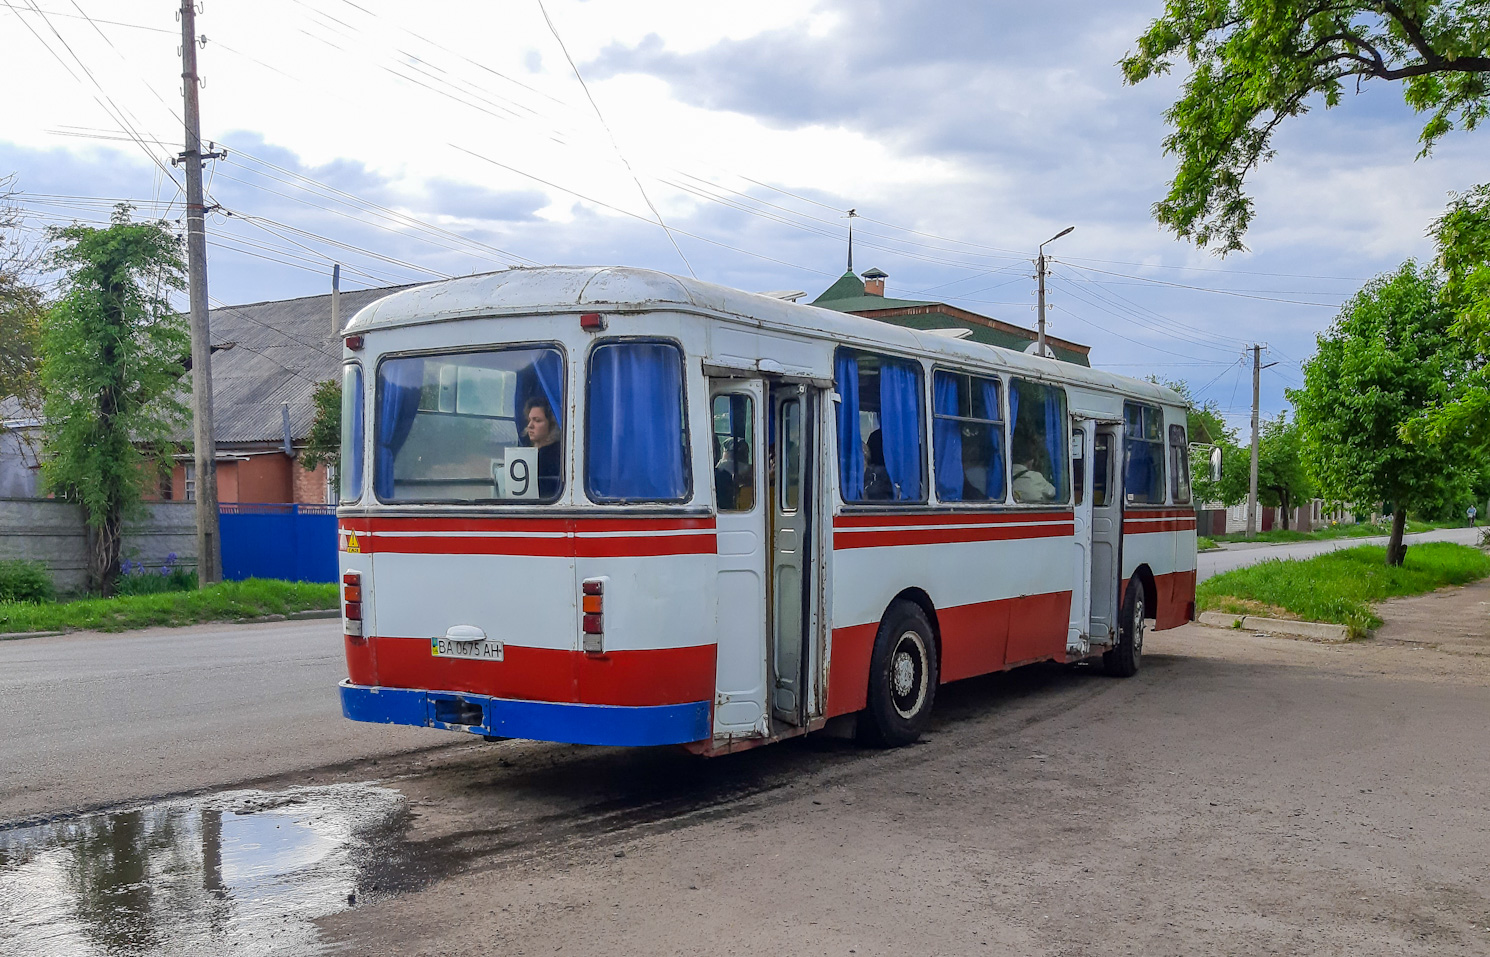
point(794, 575)
point(1106, 529)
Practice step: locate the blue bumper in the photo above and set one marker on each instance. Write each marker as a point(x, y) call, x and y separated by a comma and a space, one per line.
point(538, 720)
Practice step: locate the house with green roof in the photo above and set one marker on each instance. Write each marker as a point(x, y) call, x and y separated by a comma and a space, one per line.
point(866, 297)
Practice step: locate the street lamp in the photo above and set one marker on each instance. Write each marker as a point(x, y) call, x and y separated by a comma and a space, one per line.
point(1040, 269)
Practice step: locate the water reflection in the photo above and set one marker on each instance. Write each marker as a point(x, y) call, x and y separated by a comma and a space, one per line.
point(245, 871)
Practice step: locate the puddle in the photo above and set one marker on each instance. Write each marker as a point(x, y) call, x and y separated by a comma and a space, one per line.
point(240, 872)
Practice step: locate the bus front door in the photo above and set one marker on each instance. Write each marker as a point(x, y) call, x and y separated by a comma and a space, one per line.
point(1077, 634)
point(740, 491)
point(791, 439)
point(1107, 524)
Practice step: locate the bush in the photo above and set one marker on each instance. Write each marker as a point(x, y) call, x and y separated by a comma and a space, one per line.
point(136, 579)
point(26, 581)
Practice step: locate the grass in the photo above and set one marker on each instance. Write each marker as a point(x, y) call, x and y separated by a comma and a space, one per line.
point(227, 601)
point(1340, 586)
point(1361, 530)
point(1203, 544)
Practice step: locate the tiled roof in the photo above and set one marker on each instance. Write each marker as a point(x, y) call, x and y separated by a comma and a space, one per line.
point(268, 353)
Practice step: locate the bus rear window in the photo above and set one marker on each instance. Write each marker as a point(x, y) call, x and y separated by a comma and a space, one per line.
point(635, 444)
point(471, 427)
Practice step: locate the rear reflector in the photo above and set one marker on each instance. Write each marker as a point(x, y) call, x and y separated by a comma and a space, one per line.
point(594, 625)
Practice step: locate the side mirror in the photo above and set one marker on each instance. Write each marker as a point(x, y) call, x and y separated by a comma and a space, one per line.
point(1216, 463)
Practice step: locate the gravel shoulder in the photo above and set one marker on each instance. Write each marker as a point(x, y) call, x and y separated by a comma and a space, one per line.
point(1241, 795)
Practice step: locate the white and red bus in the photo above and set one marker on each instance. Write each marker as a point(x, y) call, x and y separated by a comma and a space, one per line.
point(614, 506)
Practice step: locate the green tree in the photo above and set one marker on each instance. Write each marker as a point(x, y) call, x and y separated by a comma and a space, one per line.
point(1282, 480)
point(112, 357)
point(323, 445)
point(20, 304)
point(1257, 62)
point(1388, 357)
point(1462, 235)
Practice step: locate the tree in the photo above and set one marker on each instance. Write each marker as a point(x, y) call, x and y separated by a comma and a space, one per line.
point(1462, 235)
point(1389, 356)
point(112, 356)
point(1257, 62)
point(1282, 480)
point(323, 445)
point(20, 304)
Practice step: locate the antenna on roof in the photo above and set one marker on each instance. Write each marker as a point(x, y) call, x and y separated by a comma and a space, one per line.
point(852, 215)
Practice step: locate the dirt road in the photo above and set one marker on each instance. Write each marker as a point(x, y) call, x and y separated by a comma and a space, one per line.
point(1243, 795)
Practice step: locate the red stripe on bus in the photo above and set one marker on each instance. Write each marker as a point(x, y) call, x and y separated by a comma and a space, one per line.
point(946, 518)
point(1178, 512)
point(1144, 528)
point(624, 546)
point(530, 525)
point(946, 536)
point(975, 639)
point(634, 678)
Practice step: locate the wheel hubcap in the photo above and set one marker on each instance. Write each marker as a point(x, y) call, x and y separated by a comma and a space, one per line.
point(908, 675)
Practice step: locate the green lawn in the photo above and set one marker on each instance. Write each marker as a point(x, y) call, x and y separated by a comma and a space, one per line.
point(1203, 544)
point(223, 602)
point(1362, 530)
point(1340, 586)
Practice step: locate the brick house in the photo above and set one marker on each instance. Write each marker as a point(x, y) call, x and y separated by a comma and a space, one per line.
point(267, 359)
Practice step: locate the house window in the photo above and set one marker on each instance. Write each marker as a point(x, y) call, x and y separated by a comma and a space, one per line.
point(190, 483)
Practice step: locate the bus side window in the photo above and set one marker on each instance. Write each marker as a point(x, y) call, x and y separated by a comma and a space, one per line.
point(1143, 454)
point(734, 457)
point(1179, 465)
point(1041, 467)
point(880, 441)
point(635, 440)
point(967, 438)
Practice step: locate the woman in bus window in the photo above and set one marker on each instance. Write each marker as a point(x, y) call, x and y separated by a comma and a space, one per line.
point(543, 434)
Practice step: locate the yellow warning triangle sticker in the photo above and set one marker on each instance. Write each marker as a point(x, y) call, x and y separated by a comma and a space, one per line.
point(352, 545)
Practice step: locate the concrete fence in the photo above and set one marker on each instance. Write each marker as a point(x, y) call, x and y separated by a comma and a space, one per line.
point(52, 532)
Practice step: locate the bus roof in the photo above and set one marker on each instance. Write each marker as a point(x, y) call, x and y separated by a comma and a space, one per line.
point(530, 291)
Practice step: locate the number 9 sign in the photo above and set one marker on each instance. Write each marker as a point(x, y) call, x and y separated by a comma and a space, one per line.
point(517, 475)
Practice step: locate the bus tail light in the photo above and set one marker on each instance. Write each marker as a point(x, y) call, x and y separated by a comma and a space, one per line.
point(351, 612)
point(592, 607)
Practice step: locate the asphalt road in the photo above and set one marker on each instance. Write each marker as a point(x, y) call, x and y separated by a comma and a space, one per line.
point(1238, 556)
point(90, 720)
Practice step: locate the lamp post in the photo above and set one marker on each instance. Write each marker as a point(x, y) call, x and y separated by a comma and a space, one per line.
point(1040, 270)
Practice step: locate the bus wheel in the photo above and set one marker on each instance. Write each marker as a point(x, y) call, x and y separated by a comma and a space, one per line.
point(1123, 661)
point(902, 677)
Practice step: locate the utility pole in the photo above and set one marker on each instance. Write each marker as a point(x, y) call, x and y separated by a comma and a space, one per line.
point(1040, 275)
point(204, 443)
point(1257, 368)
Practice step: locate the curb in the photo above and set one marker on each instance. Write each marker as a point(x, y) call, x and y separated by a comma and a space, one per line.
point(17, 635)
point(313, 615)
point(1313, 630)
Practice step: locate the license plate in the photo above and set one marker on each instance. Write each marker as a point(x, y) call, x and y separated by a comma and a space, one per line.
point(479, 649)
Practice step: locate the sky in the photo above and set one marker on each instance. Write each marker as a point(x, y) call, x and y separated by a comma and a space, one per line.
point(415, 142)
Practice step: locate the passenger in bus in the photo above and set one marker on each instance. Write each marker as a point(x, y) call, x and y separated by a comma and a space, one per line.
point(1030, 484)
point(726, 492)
point(877, 484)
point(744, 475)
point(543, 433)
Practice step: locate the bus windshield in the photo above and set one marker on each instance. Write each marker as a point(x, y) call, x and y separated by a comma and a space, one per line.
point(471, 427)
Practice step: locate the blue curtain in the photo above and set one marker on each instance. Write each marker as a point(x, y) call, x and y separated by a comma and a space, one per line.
point(947, 438)
point(544, 378)
point(399, 384)
point(1055, 440)
point(900, 427)
point(996, 451)
point(850, 444)
point(352, 460)
point(634, 423)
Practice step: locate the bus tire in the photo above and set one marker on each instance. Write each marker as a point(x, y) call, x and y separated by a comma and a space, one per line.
point(1123, 660)
point(902, 678)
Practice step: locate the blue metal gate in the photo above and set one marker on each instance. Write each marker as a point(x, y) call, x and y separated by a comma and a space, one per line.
point(290, 542)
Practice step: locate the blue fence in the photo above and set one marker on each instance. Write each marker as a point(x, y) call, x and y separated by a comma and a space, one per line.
point(292, 542)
